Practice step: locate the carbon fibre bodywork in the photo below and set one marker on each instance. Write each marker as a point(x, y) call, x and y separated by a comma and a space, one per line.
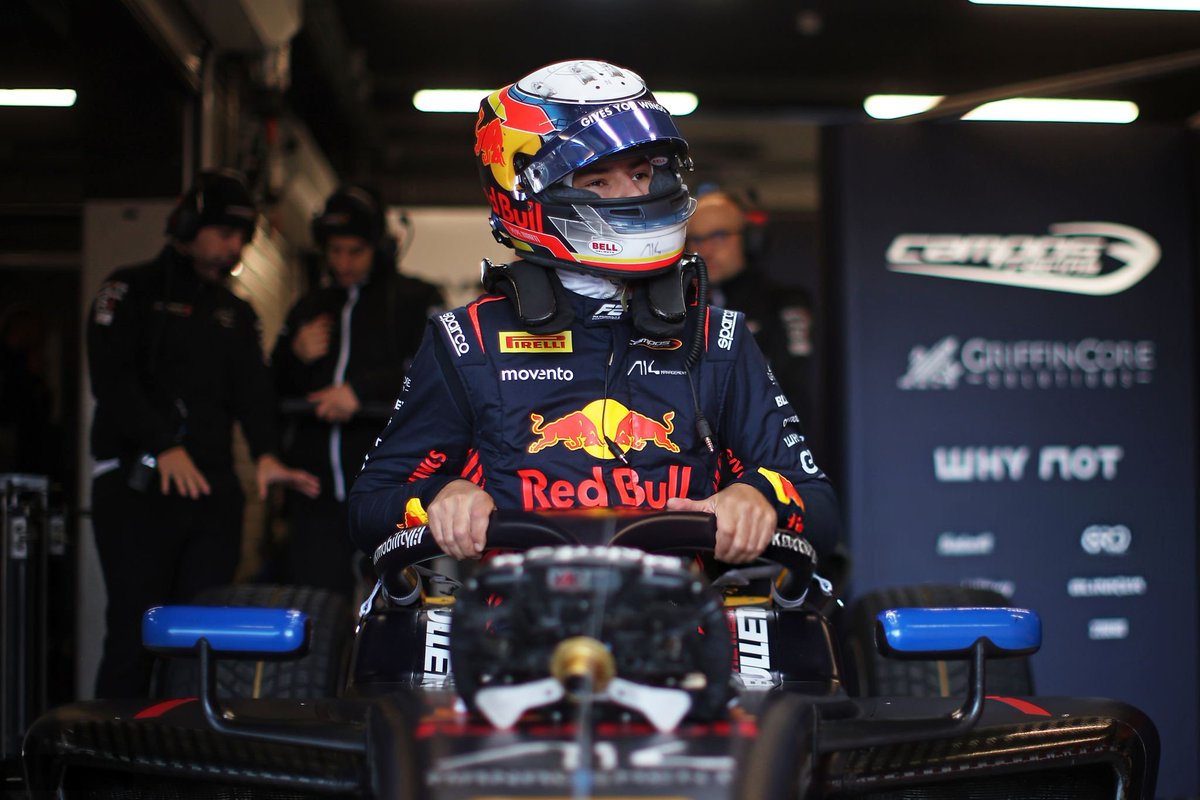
point(400, 729)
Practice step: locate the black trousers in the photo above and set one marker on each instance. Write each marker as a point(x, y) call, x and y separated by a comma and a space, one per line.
point(157, 549)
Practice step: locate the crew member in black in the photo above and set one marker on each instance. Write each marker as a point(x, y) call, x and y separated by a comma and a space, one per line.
point(344, 349)
point(730, 240)
point(174, 359)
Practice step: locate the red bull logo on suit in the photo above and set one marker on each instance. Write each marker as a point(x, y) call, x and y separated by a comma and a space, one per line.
point(599, 422)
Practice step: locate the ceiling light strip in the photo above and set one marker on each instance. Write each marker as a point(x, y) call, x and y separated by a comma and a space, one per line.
point(1129, 5)
point(38, 98)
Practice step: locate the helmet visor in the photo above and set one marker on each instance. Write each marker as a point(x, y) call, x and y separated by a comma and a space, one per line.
point(608, 130)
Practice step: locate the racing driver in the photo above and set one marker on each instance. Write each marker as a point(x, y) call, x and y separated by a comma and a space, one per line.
point(589, 374)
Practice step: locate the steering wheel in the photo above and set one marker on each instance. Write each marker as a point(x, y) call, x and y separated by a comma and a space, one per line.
point(674, 531)
point(508, 530)
point(653, 628)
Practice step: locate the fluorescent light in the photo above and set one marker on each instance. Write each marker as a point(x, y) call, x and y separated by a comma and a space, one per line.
point(680, 104)
point(52, 98)
point(1136, 5)
point(453, 101)
point(892, 106)
point(1014, 109)
point(1046, 109)
point(449, 101)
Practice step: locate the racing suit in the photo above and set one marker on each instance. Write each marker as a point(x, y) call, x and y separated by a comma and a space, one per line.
point(376, 329)
point(598, 415)
point(173, 360)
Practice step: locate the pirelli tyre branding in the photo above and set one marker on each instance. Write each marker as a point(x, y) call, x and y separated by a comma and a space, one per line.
point(1089, 258)
point(534, 344)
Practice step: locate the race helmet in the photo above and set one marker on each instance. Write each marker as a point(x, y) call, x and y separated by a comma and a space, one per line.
point(532, 135)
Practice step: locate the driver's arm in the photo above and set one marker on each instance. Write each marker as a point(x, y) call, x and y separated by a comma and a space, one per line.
point(765, 444)
point(419, 455)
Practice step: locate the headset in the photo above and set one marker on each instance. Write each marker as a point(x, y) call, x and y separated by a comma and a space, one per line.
point(187, 217)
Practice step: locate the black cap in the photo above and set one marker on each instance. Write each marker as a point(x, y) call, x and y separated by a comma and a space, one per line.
point(350, 211)
point(218, 197)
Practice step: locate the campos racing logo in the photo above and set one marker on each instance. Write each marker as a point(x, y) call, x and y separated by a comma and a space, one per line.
point(458, 339)
point(1087, 363)
point(601, 426)
point(1092, 258)
point(1112, 540)
point(521, 342)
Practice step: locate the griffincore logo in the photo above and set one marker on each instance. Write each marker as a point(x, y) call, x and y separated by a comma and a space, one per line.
point(1086, 363)
point(1092, 258)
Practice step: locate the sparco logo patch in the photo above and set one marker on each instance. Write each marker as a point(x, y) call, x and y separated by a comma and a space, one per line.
point(1088, 363)
point(1092, 258)
point(725, 334)
point(521, 342)
point(458, 339)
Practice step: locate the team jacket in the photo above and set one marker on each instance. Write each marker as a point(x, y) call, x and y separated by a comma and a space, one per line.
point(375, 332)
point(598, 415)
point(174, 360)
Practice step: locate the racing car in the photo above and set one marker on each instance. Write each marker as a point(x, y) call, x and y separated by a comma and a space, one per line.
point(592, 657)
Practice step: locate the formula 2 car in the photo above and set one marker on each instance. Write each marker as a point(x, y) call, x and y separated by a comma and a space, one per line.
point(591, 660)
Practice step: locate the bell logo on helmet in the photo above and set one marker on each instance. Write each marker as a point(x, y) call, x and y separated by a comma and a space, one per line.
point(605, 248)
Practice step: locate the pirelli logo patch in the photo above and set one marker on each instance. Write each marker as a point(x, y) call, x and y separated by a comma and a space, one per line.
point(522, 342)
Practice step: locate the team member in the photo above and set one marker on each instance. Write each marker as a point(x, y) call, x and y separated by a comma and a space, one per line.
point(780, 317)
point(175, 358)
point(344, 348)
point(575, 382)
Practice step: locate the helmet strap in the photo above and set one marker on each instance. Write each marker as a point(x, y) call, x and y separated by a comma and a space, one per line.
point(536, 294)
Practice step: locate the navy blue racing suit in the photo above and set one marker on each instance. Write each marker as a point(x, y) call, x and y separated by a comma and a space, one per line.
point(598, 415)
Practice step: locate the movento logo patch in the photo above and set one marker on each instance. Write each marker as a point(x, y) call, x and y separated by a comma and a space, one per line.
point(1092, 258)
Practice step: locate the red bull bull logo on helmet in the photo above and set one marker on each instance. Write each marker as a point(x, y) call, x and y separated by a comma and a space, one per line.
point(506, 126)
point(599, 427)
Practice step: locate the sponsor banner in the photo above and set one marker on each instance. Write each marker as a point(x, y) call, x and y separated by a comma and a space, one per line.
point(1020, 393)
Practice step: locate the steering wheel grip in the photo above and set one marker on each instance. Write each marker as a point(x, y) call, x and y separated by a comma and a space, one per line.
point(509, 530)
point(673, 530)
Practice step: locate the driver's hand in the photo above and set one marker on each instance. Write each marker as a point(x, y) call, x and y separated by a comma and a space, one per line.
point(458, 519)
point(177, 470)
point(745, 521)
